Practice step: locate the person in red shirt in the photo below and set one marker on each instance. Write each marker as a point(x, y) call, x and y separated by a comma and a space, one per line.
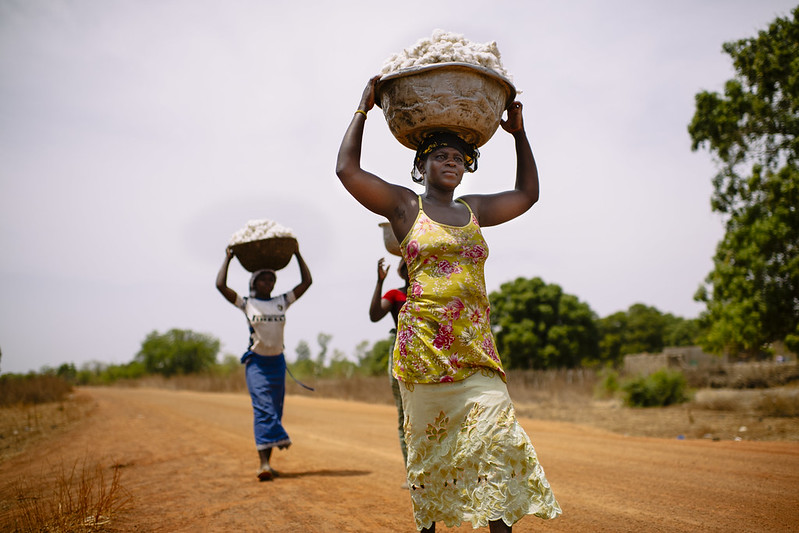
point(382, 304)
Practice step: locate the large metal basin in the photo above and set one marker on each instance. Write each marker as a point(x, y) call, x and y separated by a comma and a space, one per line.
point(459, 97)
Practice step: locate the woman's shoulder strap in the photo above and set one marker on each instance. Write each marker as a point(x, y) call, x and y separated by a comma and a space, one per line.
point(464, 202)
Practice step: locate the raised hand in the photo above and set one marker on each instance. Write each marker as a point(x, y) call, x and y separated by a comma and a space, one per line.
point(368, 97)
point(515, 122)
point(382, 269)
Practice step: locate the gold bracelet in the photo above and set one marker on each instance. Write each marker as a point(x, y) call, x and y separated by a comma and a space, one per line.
point(362, 112)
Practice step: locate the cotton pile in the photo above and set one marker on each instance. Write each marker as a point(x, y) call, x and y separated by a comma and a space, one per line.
point(444, 47)
point(256, 230)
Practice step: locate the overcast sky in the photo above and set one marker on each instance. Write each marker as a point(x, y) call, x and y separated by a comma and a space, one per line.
point(137, 136)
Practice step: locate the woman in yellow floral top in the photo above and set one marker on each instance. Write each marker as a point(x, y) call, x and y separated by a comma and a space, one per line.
point(468, 457)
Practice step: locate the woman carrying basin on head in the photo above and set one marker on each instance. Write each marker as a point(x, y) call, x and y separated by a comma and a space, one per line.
point(381, 305)
point(266, 364)
point(468, 457)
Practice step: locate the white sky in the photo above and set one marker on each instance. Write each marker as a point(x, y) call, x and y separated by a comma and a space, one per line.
point(137, 136)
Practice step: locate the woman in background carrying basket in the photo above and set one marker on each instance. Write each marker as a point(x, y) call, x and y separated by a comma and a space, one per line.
point(391, 302)
point(266, 364)
point(468, 457)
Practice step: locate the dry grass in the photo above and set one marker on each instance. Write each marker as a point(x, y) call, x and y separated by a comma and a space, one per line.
point(32, 389)
point(235, 382)
point(553, 387)
point(368, 389)
point(774, 402)
point(580, 396)
point(82, 498)
point(24, 424)
point(759, 375)
point(784, 403)
point(563, 387)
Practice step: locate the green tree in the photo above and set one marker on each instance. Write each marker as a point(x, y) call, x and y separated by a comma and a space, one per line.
point(230, 365)
point(178, 351)
point(374, 361)
point(323, 339)
point(304, 366)
point(637, 330)
point(752, 294)
point(68, 372)
point(681, 331)
point(303, 351)
point(642, 329)
point(537, 325)
point(340, 366)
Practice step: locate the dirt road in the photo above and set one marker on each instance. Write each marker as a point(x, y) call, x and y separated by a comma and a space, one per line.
point(189, 465)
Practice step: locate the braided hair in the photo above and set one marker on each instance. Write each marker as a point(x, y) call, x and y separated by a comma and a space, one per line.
point(440, 139)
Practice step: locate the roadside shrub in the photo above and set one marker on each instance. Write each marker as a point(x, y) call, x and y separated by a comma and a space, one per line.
point(660, 389)
point(608, 384)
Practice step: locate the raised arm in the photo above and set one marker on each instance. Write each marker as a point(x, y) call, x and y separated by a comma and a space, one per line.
point(379, 307)
point(305, 277)
point(493, 209)
point(386, 199)
point(221, 278)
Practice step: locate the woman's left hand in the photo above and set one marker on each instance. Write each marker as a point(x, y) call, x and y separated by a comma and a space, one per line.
point(515, 122)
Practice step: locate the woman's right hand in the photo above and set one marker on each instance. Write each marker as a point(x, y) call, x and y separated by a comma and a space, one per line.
point(368, 97)
point(382, 269)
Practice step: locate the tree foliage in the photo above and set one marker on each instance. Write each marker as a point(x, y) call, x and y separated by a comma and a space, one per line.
point(642, 329)
point(374, 361)
point(303, 351)
point(539, 326)
point(178, 351)
point(752, 294)
point(323, 339)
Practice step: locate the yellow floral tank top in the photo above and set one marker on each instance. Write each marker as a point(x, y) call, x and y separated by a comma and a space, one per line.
point(443, 330)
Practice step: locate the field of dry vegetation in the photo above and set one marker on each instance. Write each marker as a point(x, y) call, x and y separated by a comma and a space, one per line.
point(578, 396)
point(84, 494)
point(575, 396)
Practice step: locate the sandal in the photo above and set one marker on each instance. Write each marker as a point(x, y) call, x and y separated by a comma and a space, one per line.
point(266, 474)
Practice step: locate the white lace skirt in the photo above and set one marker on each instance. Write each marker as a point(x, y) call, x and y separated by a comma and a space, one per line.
point(469, 460)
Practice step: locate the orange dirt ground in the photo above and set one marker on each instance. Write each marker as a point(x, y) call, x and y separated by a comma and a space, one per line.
point(188, 463)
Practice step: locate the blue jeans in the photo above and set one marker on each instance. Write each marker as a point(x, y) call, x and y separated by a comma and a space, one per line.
point(266, 381)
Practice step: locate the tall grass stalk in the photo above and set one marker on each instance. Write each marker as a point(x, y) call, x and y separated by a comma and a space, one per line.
point(81, 499)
